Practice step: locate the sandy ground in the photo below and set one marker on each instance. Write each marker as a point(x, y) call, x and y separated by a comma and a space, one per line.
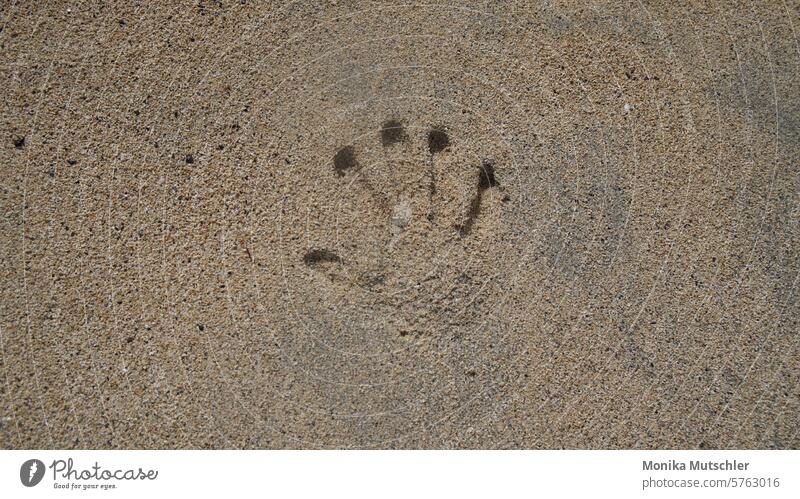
point(241, 224)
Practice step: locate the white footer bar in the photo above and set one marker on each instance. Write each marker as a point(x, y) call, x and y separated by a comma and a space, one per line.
point(463, 474)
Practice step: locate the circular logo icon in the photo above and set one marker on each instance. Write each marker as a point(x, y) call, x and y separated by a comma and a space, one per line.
point(31, 472)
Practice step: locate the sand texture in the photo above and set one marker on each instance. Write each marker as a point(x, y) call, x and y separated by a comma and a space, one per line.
point(243, 224)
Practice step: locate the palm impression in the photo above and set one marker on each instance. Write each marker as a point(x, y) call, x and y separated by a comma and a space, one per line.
point(415, 220)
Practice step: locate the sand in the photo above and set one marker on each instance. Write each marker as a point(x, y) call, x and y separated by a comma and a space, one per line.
point(244, 224)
